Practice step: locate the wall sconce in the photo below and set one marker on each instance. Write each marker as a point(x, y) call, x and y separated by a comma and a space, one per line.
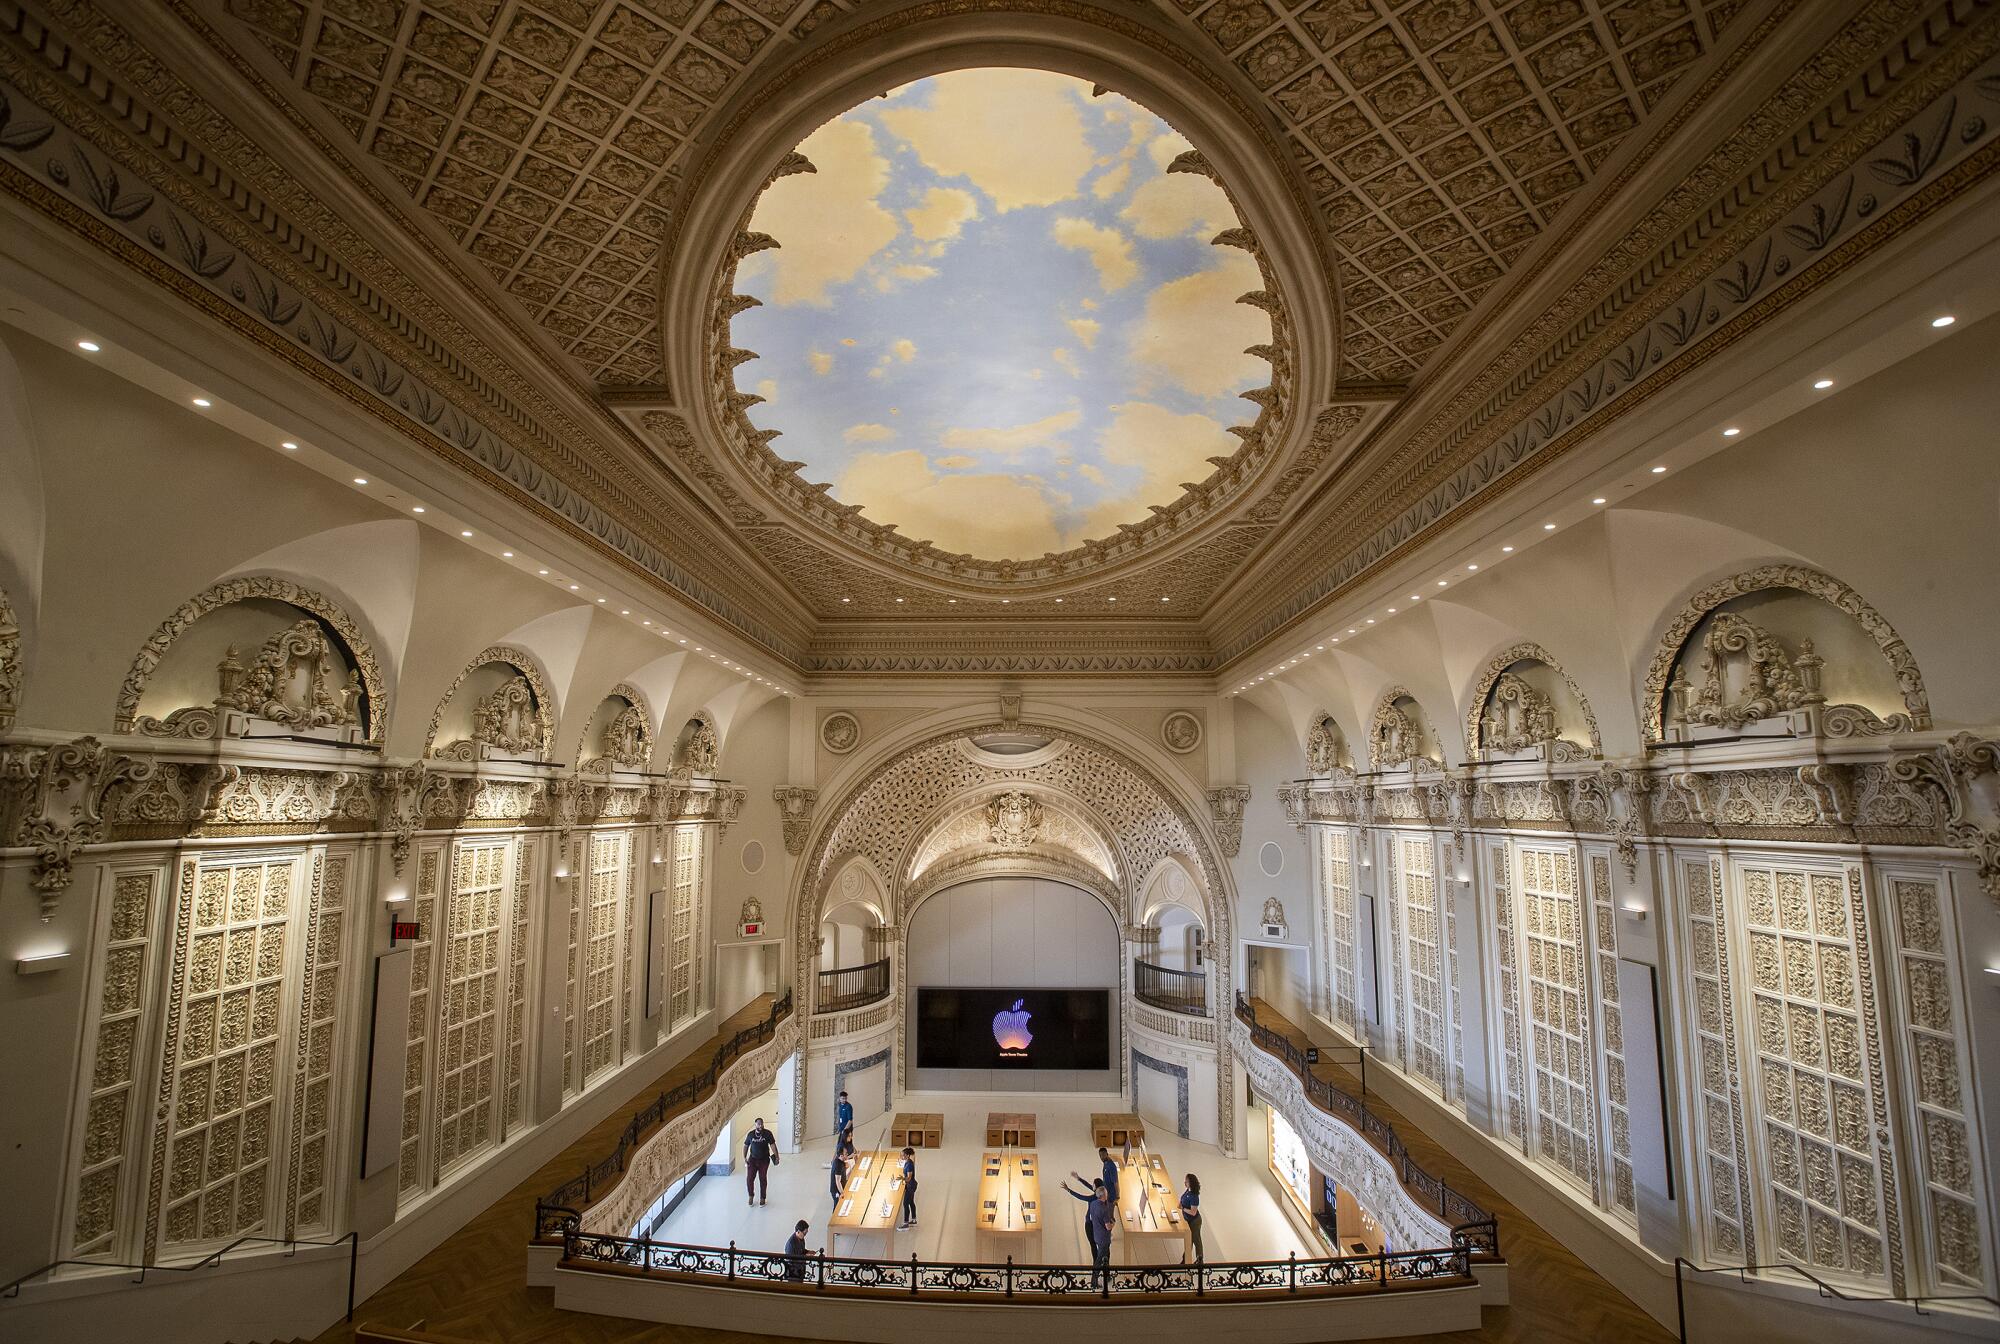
point(41, 963)
point(397, 896)
point(1994, 971)
point(1465, 879)
point(1633, 910)
point(562, 873)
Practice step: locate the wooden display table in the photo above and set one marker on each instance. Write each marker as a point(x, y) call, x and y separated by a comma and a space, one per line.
point(1008, 1217)
point(1010, 1129)
point(863, 1224)
point(916, 1130)
point(1110, 1130)
point(1151, 1229)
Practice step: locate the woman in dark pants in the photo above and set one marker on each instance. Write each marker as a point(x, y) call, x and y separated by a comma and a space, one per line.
point(909, 1188)
point(1191, 1213)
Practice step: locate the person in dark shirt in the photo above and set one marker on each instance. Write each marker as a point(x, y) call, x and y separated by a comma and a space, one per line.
point(909, 1188)
point(1191, 1213)
point(1110, 1173)
point(843, 1156)
point(760, 1154)
point(1098, 1216)
point(796, 1253)
point(843, 1116)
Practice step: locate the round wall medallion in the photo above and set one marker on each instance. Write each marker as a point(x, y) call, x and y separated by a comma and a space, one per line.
point(1181, 731)
point(753, 857)
point(840, 732)
point(1271, 859)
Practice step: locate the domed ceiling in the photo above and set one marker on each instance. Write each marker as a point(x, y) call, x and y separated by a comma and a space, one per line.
point(995, 318)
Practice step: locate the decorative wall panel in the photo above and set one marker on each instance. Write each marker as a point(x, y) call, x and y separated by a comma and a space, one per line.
point(1617, 1126)
point(1559, 1013)
point(525, 865)
point(316, 1061)
point(416, 1059)
point(469, 1014)
point(1814, 1083)
point(1336, 846)
point(1938, 1079)
point(1510, 998)
point(111, 1105)
point(1722, 1178)
point(575, 887)
point(1426, 1050)
point(600, 988)
point(681, 933)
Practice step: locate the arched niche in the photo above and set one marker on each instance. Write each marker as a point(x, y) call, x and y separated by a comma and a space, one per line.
point(698, 747)
point(256, 656)
point(1777, 651)
point(10, 663)
point(1001, 821)
point(619, 735)
point(498, 708)
point(1327, 752)
point(1526, 707)
point(1172, 928)
point(1400, 736)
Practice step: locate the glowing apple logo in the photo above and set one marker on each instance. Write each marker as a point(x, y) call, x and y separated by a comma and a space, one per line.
point(1010, 1032)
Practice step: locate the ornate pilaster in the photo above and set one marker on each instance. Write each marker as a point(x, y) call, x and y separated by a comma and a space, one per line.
point(57, 805)
point(1225, 808)
point(1965, 771)
point(878, 940)
point(795, 807)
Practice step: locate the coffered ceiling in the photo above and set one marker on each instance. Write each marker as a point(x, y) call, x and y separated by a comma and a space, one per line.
point(1497, 195)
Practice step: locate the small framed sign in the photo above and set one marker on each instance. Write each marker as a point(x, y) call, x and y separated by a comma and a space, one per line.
point(404, 931)
point(749, 930)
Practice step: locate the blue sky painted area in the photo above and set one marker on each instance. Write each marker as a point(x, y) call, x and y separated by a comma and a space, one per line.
point(995, 320)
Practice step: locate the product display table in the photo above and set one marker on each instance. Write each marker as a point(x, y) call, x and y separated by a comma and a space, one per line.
point(916, 1130)
point(863, 1224)
point(1010, 1129)
point(1008, 1217)
point(1150, 1228)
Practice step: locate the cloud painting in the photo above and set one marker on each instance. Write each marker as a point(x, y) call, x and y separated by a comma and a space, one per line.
point(999, 322)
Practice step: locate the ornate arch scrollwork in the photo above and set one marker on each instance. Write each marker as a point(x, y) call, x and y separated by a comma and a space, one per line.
point(699, 749)
point(1496, 667)
point(1842, 720)
point(1326, 746)
point(1394, 738)
point(10, 663)
point(374, 706)
point(629, 737)
point(527, 669)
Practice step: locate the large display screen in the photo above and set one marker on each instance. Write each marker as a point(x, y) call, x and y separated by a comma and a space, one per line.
point(1013, 1028)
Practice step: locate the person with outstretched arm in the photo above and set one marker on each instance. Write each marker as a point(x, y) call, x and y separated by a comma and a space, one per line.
point(760, 1154)
point(796, 1253)
point(909, 1189)
point(1098, 1215)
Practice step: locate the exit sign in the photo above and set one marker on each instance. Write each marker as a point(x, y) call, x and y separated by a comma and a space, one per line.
point(404, 931)
point(749, 930)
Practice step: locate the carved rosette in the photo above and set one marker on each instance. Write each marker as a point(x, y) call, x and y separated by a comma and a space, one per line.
point(1225, 808)
point(795, 810)
point(57, 805)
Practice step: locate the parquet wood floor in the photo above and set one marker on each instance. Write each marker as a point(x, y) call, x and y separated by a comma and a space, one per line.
point(471, 1287)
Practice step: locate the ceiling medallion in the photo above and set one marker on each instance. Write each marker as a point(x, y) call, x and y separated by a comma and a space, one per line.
point(840, 732)
point(1181, 732)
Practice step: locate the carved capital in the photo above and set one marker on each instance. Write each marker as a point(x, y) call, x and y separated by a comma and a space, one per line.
point(795, 808)
point(1225, 808)
point(728, 806)
point(1293, 799)
point(58, 805)
point(1965, 772)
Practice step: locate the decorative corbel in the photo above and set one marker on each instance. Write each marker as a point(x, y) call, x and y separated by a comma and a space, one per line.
point(1453, 797)
point(1700, 794)
point(1225, 807)
point(404, 798)
point(211, 786)
point(1965, 771)
point(1625, 794)
point(728, 806)
point(795, 807)
point(1832, 792)
point(1292, 797)
point(63, 793)
point(1010, 708)
point(565, 799)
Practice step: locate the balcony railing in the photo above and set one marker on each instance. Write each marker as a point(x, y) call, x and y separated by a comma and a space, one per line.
point(1175, 991)
point(562, 1208)
point(852, 987)
point(1470, 1224)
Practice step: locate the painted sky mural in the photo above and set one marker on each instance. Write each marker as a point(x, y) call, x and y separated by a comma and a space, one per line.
point(994, 318)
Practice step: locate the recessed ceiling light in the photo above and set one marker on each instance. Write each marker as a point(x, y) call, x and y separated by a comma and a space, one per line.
point(847, 599)
point(683, 641)
point(463, 533)
point(1336, 638)
point(203, 401)
point(572, 587)
point(93, 347)
point(1443, 582)
point(1944, 321)
point(506, 555)
point(361, 480)
point(1822, 384)
point(954, 601)
point(899, 599)
point(647, 621)
point(1392, 611)
point(1351, 630)
point(416, 508)
point(1548, 527)
point(1320, 647)
point(1731, 432)
point(1598, 500)
point(1166, 599)
point(1506, 550)
point(541, 571)
point(1659, 471)
point(289, 446)
point(1058, 601)
point(600, 599)
point(1110, 599)
point(622, 611)
point(1371, 620)
point(1472, 566)
point(1006, 601)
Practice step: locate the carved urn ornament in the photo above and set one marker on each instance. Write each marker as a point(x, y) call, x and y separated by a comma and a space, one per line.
point(1747, 676)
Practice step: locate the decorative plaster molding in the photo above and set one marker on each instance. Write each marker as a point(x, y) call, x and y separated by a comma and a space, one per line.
point(10, 663)
point(1496, 667)
point(527, 667)
point(1180, 732)
point(795, 808)
point(840, 732)
point(1225, 808)
point(57, 807)
point(1965, 772)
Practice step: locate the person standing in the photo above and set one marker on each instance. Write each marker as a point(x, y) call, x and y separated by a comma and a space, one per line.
point(909, 1189)
point(843, 1117)
point(843, 1154)
point(1097, 1221)
point(1110, 1173)
point(760, 1154)
point(796, 1253)
point(1191, 1214)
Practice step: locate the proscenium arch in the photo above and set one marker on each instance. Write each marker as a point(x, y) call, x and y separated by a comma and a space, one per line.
point(1125, 52)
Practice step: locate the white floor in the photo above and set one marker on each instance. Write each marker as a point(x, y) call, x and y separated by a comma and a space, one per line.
point(1243, 1219)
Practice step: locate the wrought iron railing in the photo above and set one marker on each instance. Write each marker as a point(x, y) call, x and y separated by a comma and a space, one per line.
point(1042, 1284)
point(561, 1209)
point(1175, 991)
point(1468, 1221)
point(852, 987)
